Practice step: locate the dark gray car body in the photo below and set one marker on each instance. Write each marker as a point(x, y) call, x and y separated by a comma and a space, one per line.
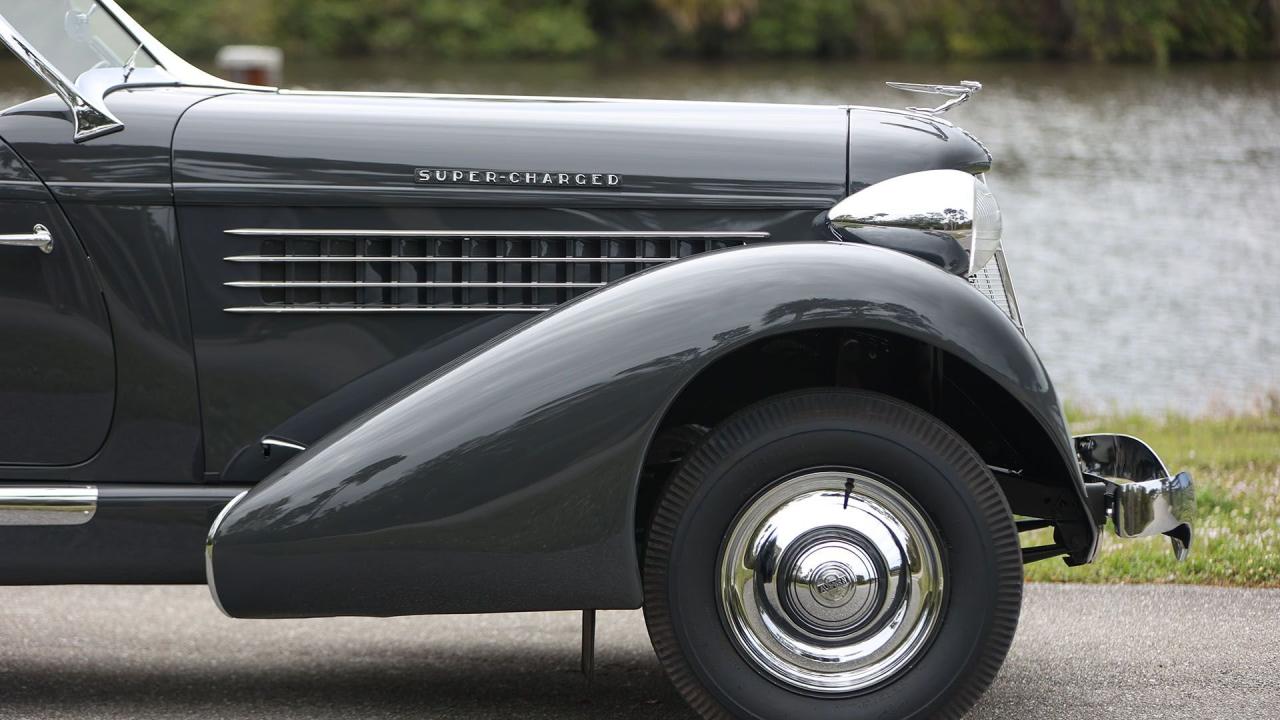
point(498, 452)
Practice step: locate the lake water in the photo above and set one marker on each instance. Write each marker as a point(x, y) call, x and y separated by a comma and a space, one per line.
point(1142, 205)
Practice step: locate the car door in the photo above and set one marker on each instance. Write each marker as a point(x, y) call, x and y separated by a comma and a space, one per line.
point(57, 364)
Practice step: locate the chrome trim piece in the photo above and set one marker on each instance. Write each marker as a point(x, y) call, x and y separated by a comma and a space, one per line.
point(831, 582)
point(439, 259)
point(958, 94)
point(1006, 282)
point(1156, 507)
point(516, 178)
point(951, 203)
point(270, 442)
point(39, 238)
point(208, 550)
point(612, 234)
point(1145, 499)
point(994, 281)
point(547, 98)
point(1118, 458)
point(90, 118)
point(322, 309)
point(571, 99)
point(47, 504)
point(936, 201)
point(394, 284)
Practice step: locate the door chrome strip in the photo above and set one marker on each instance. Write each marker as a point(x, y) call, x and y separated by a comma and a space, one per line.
point(611, 234)
point(47, 504)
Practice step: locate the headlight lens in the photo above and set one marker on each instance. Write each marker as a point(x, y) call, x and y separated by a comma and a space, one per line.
point(950, 202)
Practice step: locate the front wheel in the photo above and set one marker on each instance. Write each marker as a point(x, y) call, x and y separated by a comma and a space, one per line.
point(832, 554)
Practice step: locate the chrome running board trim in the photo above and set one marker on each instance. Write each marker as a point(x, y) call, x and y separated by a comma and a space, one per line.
point(47, 504)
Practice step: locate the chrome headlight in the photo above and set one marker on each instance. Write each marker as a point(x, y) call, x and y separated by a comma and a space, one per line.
point(946, 202)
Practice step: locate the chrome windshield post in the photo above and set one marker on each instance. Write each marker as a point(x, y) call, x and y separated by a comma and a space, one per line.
point(127, 56)
point(90, 117)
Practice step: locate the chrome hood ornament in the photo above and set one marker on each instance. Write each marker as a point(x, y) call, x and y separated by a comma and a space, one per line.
point(957, 93)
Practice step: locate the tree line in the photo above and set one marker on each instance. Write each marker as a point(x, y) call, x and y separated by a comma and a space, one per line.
point(1100, 30)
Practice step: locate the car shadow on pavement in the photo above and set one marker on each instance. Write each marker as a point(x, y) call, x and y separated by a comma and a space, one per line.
point(420, 685)
point(165, 652)
point(514, 683)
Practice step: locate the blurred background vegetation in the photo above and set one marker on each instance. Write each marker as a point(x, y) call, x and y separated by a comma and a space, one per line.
point(1156, 31)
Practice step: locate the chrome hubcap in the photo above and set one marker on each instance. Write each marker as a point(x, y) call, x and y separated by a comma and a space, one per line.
point(831, 582)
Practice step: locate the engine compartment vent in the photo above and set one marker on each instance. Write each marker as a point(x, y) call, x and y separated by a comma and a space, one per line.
point(328, 271)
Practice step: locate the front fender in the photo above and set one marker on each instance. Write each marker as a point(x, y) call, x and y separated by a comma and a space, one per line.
point(507, 480)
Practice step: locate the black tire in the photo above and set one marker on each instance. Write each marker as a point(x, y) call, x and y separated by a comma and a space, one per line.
point(758, 448)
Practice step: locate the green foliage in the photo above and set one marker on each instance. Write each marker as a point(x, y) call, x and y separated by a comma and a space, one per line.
point(1102, 30)
point(200, 27)
point(493, 28)
point(1161, 29)
point(694, 15)
point(804, 27)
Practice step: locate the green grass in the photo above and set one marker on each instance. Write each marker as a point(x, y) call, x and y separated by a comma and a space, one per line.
point(1235, 461)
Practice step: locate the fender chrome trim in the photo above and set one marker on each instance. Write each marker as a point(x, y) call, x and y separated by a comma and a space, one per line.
point(47, 504)
point(208, 550)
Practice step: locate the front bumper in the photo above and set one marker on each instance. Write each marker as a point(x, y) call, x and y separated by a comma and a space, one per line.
point(1138, 493)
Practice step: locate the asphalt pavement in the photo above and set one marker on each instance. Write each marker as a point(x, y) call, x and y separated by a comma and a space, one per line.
point(166, 652)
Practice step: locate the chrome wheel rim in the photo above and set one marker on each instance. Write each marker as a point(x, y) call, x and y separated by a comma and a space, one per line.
point(831, 582)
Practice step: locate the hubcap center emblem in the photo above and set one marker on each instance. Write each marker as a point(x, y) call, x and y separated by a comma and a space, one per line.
point(833, 583)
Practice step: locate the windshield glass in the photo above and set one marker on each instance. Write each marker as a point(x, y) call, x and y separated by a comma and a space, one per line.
point(76, 36)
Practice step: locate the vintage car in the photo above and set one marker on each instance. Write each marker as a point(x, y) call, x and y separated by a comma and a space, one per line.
point(758, 369)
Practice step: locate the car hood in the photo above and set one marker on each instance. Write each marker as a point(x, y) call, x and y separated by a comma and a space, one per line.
point(300, 147)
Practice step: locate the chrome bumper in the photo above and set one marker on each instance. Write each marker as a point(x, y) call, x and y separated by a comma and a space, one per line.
point(1142, 498)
